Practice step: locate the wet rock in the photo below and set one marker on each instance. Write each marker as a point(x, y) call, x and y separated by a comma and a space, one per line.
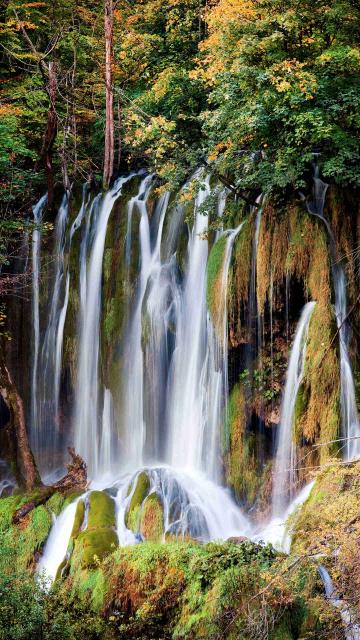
point(152, 518)
point(237, 539)
point(133, 512)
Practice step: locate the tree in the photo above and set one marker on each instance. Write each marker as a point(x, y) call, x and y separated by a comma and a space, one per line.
point(109, 118)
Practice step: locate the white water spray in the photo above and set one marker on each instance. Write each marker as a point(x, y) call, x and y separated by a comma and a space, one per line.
point(57, 543)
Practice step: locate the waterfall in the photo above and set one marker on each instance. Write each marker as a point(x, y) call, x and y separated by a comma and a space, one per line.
point(57, 542)
point(173, 390)
point(86, 414)
point(217, 360)
point(186, 405)
point(349, 413)
point(46, 435)
point(106, 459)
point(134, 420)
point(36, 240)
point(283, 477)
point(276, 532)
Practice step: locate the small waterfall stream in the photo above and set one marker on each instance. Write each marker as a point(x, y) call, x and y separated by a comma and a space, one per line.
point(57, 542)
point(35, 254)
point(283, 477)
point(352, 630)
point(46, 430)
point(350, 418)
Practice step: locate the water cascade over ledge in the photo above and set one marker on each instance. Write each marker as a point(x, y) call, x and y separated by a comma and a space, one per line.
point(285, 463)
point(173, 384)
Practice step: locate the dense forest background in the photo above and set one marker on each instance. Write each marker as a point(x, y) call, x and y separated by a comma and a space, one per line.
point(251, 88)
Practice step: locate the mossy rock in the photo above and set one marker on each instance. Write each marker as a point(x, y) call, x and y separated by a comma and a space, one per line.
point(133, 512)
point(214, 278)
point(152, 518)
point(101, 510)
point(79, 518)
point(92, 546)
point(300, 408)
point(99, 539)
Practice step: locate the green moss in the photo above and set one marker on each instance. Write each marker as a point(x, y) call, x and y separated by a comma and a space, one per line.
point(110, 318)
point(300, 408)
point(318, 406)
point(8, 507)
point(152, 518)
point(214, 273)
point(56, 503)
point(333, 502)
point(25, 539)
point(30, 536)
point(133, 512)
point(240, 446)
point(92, 546)
point(99, 539)
point(239, 280)
point(101, 510)
point(79, 517)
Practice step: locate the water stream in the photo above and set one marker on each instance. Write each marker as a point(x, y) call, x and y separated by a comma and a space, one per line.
point(283, 477)
point(57, 543)
point(45, 432)
point(35, 255)
point(350, 418)
point(352, 630)
point(86, 414)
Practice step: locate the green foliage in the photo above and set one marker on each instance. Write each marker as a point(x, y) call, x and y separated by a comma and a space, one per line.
point(214, 273)
point(283, 80)
point(174, 590)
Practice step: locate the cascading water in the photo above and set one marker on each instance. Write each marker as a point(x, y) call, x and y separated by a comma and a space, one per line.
point(134, 420)
point(218, 358)
point(352, 629)
point(87, 418)
point(57, 542)
point(349, 413)
point(172, 379)
point(36, 239)
point(283, 477)
point(186, 405)
point(174, 390)
point(46, 431)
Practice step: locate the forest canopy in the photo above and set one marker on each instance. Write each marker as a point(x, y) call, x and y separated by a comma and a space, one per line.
point(251, 87)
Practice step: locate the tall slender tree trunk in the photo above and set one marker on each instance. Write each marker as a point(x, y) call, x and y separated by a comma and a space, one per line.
point(50, 133)
point(109, 121)
point(13, 400)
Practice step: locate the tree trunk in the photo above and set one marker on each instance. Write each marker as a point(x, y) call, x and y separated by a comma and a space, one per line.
point(15, 405)
point(50, 133)
point(119, 134)
point(109, 119)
